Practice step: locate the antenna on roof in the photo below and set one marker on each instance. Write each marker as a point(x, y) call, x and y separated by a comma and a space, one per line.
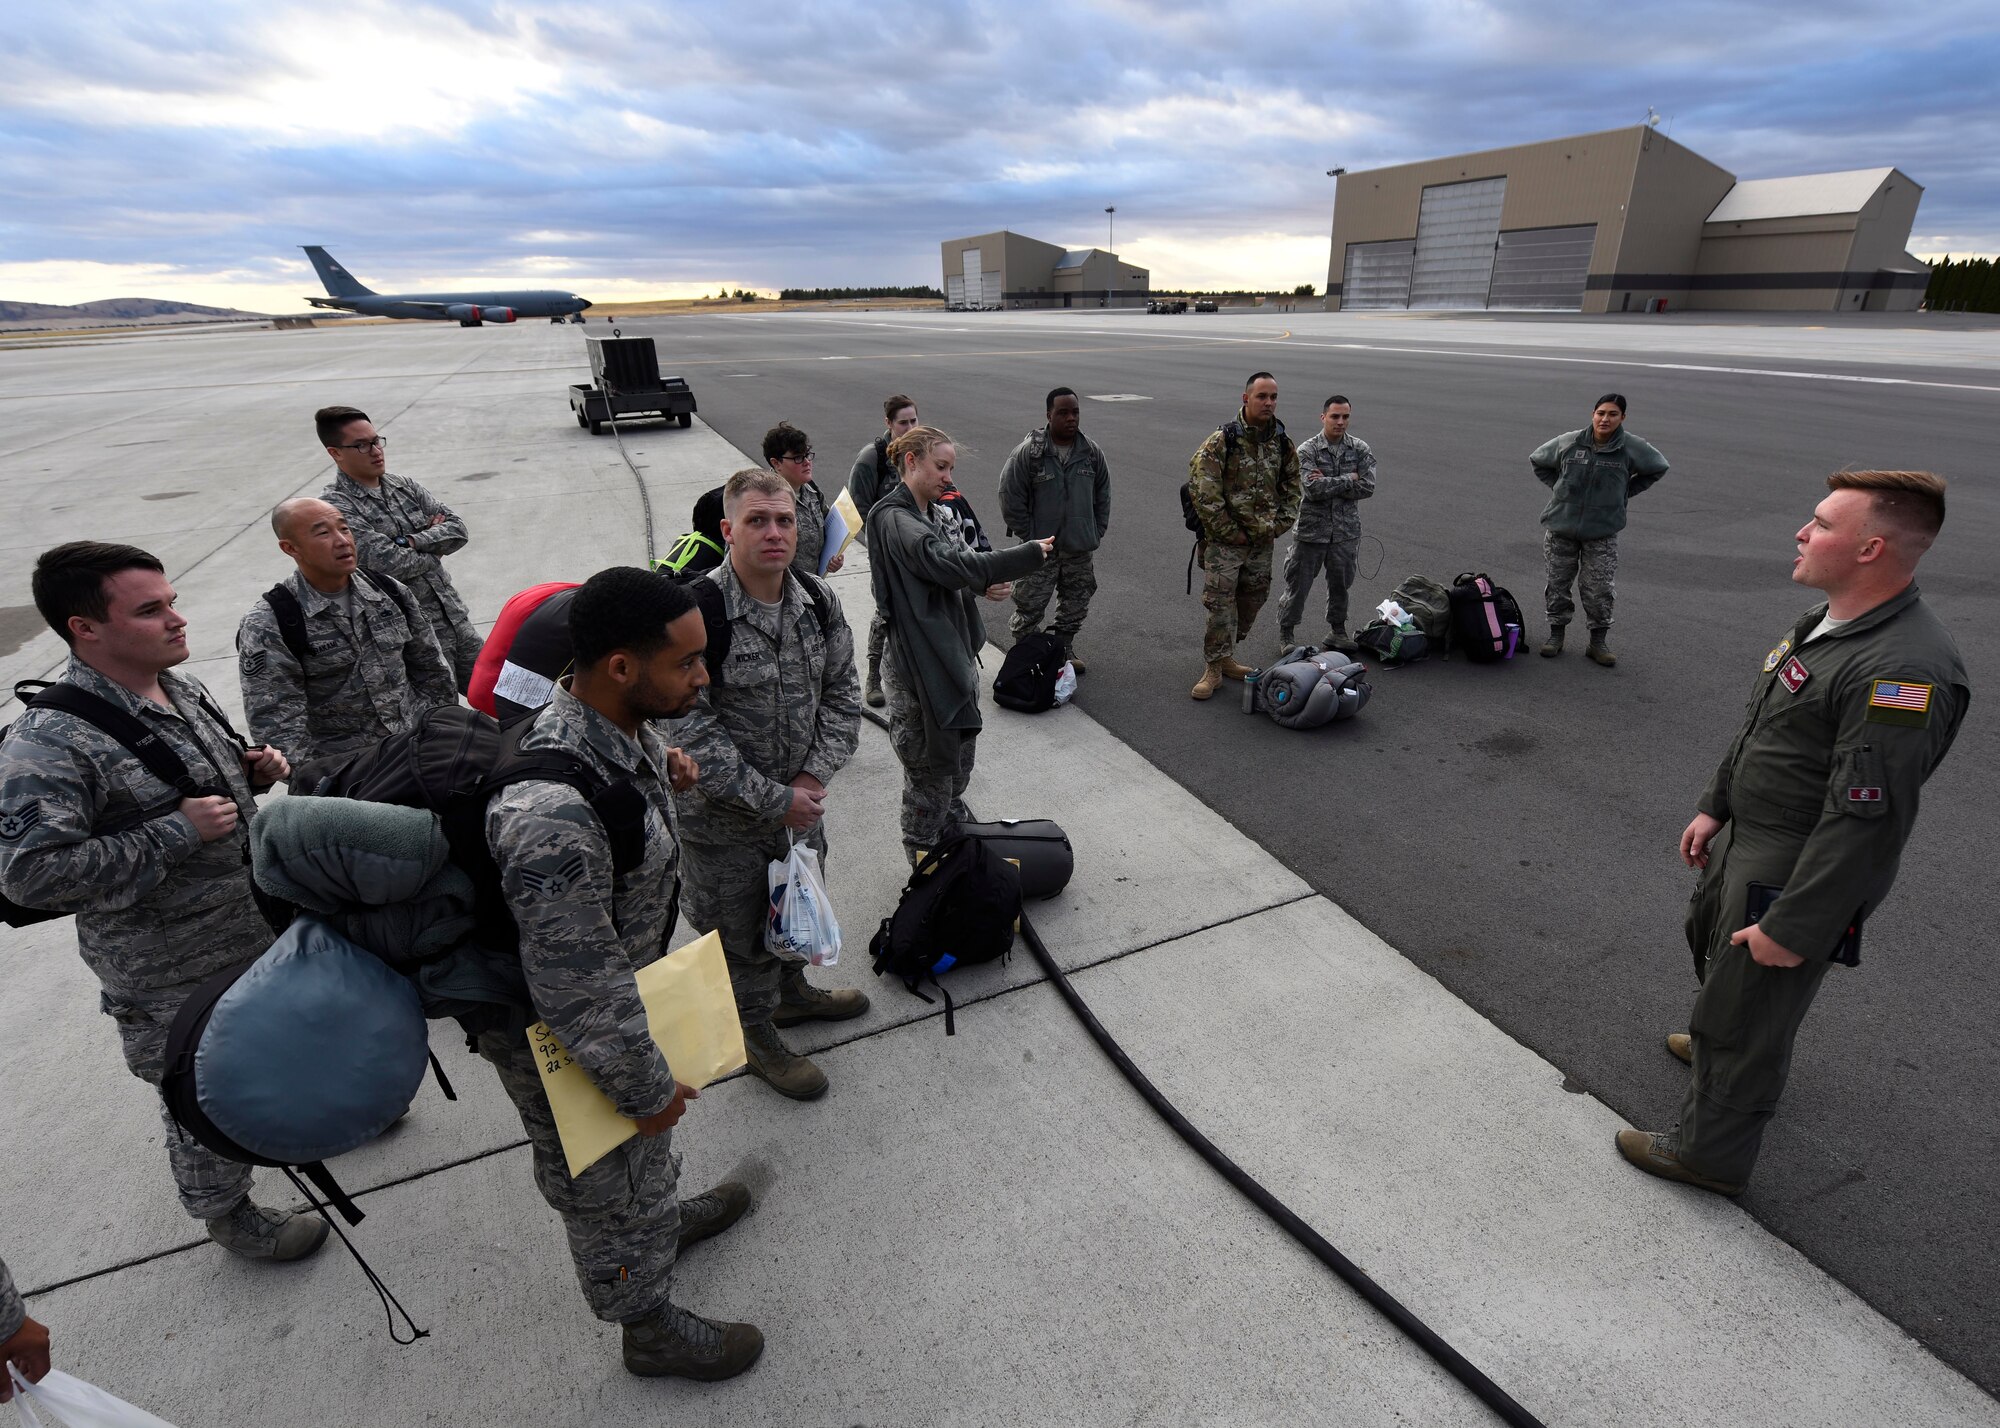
point(1652, 117)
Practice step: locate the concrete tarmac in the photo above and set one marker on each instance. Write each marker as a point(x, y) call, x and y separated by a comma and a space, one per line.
point(989, 1228)
point(1512, 829)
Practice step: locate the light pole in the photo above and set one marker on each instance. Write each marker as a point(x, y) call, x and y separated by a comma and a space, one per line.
point(1111, 247)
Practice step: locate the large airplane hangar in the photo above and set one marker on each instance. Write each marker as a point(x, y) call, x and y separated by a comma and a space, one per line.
point(1622, 221)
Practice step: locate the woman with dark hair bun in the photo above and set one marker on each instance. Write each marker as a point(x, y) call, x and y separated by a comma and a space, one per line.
point(924, 580)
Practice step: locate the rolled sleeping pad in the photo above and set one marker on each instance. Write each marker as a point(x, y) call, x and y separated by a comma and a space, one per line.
point(1037, 845)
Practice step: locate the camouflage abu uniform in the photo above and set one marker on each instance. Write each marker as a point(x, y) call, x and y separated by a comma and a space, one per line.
point(1335, 475)
point(787, 701)
point(811, 502)
point(1245, 486)
point(158, 911)
point(369, 673)
point(1043, 493)
point(13, 1313)
point(1589, 486)
point(584, 932)
point(394, 534)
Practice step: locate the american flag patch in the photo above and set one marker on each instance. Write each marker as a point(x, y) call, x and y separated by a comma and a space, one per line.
point(1888, 694)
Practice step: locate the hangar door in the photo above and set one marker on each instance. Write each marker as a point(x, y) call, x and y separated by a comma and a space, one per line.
point(1543, 268)
point(1377, 275)
point(1458, 226)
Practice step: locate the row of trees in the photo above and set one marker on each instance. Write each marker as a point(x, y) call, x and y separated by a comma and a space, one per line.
point(1968, 285)
point(829, 294)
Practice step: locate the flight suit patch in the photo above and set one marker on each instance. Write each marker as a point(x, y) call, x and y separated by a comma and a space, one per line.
point(1892, 701)
point(1794, 675)
point(1864, 795)
point(1777, 656)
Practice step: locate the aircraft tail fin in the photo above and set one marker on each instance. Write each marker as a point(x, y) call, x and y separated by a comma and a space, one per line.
point(339, 282)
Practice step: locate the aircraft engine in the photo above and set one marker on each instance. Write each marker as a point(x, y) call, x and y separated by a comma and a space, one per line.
point(497, 314)
point(465, 312)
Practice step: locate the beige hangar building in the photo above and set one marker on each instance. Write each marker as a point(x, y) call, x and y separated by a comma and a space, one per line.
point(1006, 269)
point(1622, 221)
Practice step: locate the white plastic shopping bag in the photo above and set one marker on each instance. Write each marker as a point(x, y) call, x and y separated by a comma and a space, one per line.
point(60, 1401)
point(802, 927)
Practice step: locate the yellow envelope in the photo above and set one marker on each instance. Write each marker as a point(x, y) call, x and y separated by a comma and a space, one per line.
point(850, 517)
point(691, 1012)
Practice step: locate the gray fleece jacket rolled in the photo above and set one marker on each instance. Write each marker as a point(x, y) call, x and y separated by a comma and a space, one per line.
point(926, 587)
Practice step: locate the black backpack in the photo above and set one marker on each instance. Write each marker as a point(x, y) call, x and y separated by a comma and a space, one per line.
point(451, 761)
point(159, 760)
point(1485, 619)
point(958, 908)
point(1027, 677)
point(715, 614)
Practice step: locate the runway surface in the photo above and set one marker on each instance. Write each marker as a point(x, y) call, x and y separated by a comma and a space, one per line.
point(1512, 829)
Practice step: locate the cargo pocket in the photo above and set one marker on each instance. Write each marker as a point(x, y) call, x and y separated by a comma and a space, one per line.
point(1858, 787)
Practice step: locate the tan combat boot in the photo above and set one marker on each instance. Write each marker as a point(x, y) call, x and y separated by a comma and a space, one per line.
point(1682, 1046)
point(1233, 668)
point(1659, 1154)
point(779, 1067)
point(1210, 681)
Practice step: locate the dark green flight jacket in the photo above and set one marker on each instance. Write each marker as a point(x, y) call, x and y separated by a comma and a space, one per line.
point(1590, 485)
point(1820, 785)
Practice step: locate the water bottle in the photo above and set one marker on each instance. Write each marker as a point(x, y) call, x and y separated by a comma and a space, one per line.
point(1250, 691)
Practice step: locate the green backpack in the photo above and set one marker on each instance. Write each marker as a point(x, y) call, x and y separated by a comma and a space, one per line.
point(1428, 604)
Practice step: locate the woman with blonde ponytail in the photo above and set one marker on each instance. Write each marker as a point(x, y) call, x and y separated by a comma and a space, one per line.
point(925, 581)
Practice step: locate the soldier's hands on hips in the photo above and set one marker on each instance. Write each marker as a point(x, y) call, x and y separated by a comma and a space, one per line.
point(667, 1119)
point(213, 817)
point(28, 1351)
point(1763, 951)
point(1695, 839)
point(682, 771)
point(806, 811)
point(1000, 591)
point(265, 764)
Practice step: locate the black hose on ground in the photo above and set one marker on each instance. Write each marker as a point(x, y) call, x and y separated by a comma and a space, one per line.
point(1451, 1360)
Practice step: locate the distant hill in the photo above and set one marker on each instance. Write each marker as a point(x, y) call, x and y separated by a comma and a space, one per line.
point(113, 309)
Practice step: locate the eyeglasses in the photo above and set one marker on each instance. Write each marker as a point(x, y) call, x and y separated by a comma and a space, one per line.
point(808, 456)
point(373, 443)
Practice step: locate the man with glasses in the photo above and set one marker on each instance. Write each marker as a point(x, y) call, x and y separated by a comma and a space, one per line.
point(788, 451)
point(399, 528)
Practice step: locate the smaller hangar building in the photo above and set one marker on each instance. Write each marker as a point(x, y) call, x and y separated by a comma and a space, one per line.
point(1009, 270)
point(1622, 221)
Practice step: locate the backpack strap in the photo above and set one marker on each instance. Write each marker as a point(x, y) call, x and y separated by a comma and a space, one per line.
point(619, 806)
point(291, 621)
point(822, 602)
point(141, 742)
point(715, 615)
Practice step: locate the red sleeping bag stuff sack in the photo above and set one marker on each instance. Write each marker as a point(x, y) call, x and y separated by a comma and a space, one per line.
point(506, 681)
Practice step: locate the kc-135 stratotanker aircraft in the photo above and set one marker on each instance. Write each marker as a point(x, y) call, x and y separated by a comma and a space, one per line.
point(345, 292)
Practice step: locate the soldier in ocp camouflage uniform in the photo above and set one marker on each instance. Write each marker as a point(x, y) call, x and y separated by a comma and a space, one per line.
point(1244, 481)
point(1057, 483)
point(585, 930)
point(777, 721)
point(873, 476)
point(1591, 474)
point(371, 667)
point(159, 882)
point(1337, 470)
point(400, 529)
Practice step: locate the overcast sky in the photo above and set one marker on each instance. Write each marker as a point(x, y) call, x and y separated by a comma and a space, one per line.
point(167, 149)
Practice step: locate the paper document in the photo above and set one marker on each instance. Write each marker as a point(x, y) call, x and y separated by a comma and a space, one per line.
point(691, 1012)
point(843, 523)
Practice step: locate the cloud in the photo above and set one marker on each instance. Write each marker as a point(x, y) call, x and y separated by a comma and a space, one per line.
point(762, 144)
